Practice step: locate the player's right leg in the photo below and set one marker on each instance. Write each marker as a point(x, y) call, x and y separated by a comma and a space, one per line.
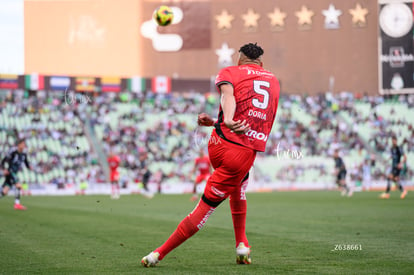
point(386, 194)
point(340, 186)
point(348, 190)
point(185, 229)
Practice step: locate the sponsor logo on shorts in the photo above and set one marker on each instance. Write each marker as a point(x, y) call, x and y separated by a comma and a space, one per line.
point(257, 135)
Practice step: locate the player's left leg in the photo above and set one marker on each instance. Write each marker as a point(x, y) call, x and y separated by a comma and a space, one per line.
point(118, 189)
point(340, 181)
point(145, 191)
point(17, 204)
point(238, 206)
point(114, 178)
point(114, 190)
point(400, 186)
point(386, 194)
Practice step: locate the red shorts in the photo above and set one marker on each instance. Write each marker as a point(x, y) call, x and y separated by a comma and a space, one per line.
point(231, 162)
point(201, 177)
point(114, 176)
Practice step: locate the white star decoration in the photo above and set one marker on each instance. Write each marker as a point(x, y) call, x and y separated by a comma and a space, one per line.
point(250, 18)
point(224, 54)
point(331, 15)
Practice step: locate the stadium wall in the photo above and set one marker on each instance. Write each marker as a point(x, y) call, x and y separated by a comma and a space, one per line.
point(106, 38)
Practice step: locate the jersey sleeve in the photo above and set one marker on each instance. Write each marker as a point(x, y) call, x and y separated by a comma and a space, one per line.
point(224, 77)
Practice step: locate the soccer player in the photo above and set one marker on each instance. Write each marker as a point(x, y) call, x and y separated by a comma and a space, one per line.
point(145, 174)
point(249, 100)
point(203, 167)
point(398, 160)
point(14, 159)
point(340, 172)
point(366, 174)
point(113, 162)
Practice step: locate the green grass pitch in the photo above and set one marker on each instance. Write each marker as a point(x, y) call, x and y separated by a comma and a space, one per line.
point(290, 233)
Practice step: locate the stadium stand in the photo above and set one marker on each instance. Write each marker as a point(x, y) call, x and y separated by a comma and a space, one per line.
point(164, 129)
point(57, 146)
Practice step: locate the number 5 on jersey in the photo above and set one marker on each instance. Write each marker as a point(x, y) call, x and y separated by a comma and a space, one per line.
point(258, 87)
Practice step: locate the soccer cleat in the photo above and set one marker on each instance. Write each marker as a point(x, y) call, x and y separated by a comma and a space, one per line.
point(243, 254)
point(150, 260)
point(194, 198)
point(403, 194)
point(18, 206)
point(385, 196)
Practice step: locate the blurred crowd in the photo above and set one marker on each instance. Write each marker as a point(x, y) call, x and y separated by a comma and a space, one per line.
point(147, 128)
point(52, 130)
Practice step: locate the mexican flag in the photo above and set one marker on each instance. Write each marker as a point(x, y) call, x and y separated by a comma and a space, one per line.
point(34, 82)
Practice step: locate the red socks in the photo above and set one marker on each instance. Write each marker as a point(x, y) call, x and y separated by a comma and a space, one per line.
point(199, 216)
point(238, 206)
point(187, 228)
point(115, 188)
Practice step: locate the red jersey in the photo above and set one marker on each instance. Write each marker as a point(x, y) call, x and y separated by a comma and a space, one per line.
point(257, 96)
point(203, 165)
point(114, 162)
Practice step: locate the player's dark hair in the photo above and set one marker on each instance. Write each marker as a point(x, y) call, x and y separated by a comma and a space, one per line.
point(20, 141)
point(252, 51)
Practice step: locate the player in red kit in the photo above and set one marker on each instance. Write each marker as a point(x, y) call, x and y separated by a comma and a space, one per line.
point(202, 164)
point(113, 162)
point(249, 100)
